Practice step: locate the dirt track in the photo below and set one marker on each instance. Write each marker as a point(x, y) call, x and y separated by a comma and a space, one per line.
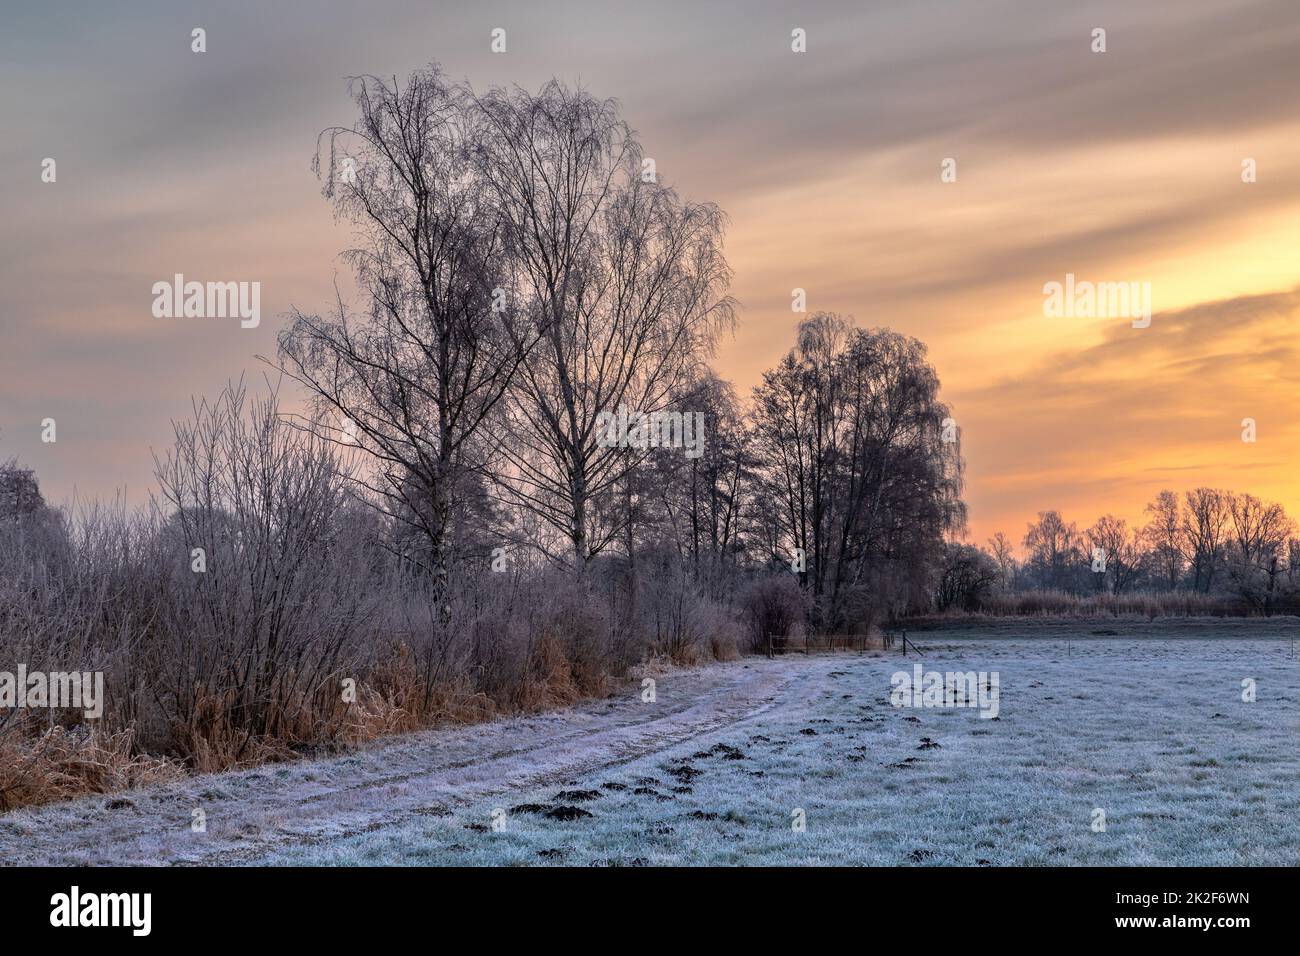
point(253, 812)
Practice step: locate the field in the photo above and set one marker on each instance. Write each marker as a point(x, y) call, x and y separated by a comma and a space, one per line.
point(1148, 728)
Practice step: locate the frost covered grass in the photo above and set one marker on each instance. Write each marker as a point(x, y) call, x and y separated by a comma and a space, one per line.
point(1155, 734)
point(1152, 731)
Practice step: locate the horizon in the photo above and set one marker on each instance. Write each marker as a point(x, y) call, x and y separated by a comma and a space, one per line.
point(1117, 167)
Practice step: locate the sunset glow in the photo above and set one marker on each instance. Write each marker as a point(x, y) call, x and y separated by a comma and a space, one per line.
point(828, 168)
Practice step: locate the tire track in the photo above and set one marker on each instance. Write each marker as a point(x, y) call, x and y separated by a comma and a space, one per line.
point(252, 813)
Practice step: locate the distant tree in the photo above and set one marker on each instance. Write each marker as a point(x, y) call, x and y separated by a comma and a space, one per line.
point(967, 578)
point(1003, 552)
point(1204, 525)
point(1121, 550)
point(698, 503)
point(31, 532)
point(1165, 537)
point(1257, 536)
point(1054, 553)
point(20, 495)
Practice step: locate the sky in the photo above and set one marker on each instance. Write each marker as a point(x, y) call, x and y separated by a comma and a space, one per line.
point(1116, 166)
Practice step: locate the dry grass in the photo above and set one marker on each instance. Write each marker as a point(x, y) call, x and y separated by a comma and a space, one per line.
point(559, 679)
point(53, 764)
point(58, 764)
point(1149, 605)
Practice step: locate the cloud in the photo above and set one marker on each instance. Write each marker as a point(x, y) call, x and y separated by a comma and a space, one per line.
point(1122, 165)
point(1105, 426)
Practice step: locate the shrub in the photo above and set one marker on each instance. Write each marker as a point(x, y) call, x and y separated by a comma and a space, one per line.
point(772, 605)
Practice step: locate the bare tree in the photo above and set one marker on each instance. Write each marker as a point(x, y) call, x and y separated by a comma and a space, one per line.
point(1258, 533)
point(1053, 549)
point(1164, 535)
point(780, 414)
point(1004, 554)
point(1121, 551)
point(1204, 525)
point(695, 504)
point(413, 378)
point(624, 281)
point(852, 431)
point(967, 576)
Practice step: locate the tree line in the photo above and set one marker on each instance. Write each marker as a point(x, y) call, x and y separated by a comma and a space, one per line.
point(1240, 552)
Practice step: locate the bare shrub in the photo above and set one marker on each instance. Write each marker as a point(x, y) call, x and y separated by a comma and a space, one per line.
point(773, 605)
point(265, 598)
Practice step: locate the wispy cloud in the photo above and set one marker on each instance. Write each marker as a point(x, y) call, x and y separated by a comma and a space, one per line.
point(1106, 426)
point(1120, 166)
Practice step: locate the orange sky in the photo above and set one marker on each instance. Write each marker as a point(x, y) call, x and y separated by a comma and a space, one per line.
point(1120, 166)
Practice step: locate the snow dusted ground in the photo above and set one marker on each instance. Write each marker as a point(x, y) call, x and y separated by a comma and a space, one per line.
point(1152, 730)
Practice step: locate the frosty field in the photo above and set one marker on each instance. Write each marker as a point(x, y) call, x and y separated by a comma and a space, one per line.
point(1152, 730)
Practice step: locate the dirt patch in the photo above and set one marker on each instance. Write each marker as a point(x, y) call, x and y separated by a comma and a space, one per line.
point(567, 813)
point(577, 796)
point(534, 808)
point(684, 773)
